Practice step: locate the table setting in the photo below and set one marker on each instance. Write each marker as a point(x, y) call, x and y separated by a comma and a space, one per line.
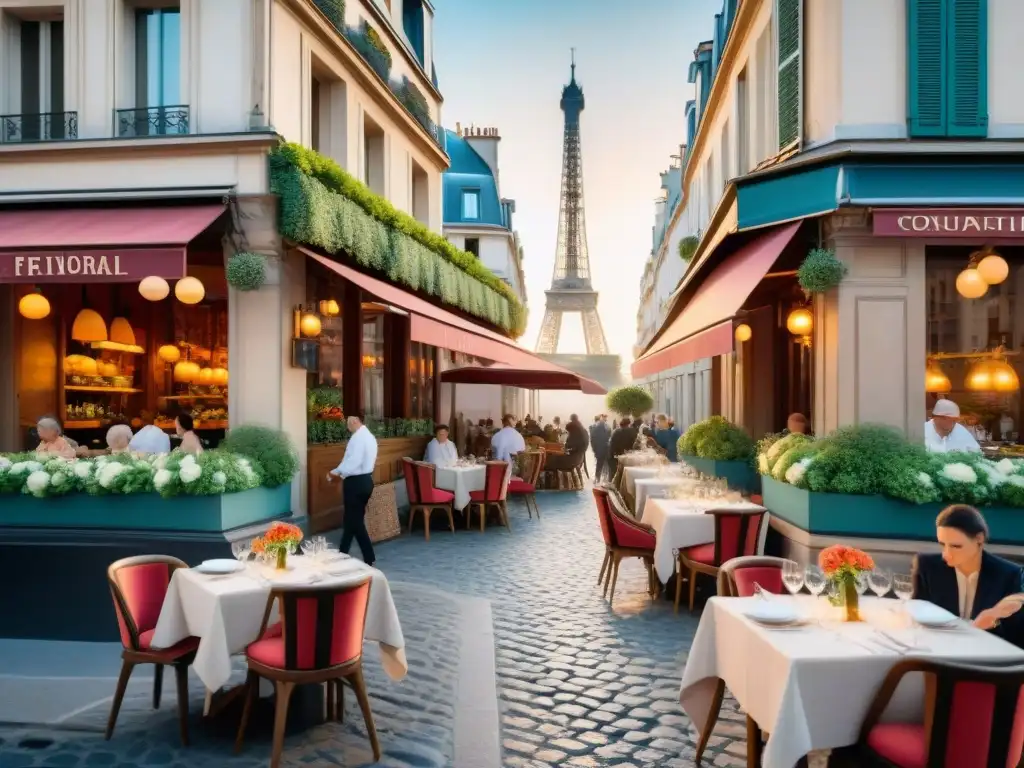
point(466, 475)
point(806, 667)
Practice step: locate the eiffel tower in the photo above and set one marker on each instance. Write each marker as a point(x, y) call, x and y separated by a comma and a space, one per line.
point(571, 289)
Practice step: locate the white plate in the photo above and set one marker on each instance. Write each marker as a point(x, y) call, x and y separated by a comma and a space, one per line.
point(773, 612)
point(219, 566)
point(930, 615)
point(296, 578)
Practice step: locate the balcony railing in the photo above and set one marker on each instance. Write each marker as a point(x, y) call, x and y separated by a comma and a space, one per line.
point(48, 126)
point(151, 121)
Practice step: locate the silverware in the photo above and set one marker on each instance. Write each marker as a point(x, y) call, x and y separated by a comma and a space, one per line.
point(894, 640)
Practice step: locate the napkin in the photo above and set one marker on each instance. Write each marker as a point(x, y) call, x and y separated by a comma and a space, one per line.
point(295, 578)
point(772, 612)
point(924, 612)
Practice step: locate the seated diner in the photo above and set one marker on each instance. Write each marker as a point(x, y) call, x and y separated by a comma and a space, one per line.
point(190, 442)
point(441, 451)
point(51, 442)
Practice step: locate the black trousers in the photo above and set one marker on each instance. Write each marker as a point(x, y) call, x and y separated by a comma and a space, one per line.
point(356, 493)
point(602, 463)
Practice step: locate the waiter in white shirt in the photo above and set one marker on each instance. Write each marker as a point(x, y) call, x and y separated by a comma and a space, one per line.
point(944, 433)
point(356, 471)
point(507, 440)
point(441, 451)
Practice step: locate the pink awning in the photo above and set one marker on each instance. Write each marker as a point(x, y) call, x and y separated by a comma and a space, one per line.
point(704, 328)
point(526, 378)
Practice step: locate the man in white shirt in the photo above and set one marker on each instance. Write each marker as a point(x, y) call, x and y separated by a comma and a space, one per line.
point(356, 471)
point(441, 451)
point(944, 433)
point(507, 440)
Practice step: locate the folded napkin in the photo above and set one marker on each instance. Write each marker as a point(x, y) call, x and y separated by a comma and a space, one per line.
point(772, 612)
point(294, 578)
point(924, 612)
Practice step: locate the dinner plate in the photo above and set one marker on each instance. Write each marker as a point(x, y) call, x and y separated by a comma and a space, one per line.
point(773, 613)
point(219, 566)
point(930, 615)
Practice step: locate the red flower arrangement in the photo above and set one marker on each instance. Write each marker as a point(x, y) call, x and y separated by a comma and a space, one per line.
point(842, 562)
point(278, 539)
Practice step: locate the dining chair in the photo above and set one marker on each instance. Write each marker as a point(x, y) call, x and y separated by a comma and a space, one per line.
point(737, 533)
point(627, 538)
point(321, 642)
point(495, 490)
point(139, 586)
point(424, 495)
point(526, 486)
point(736, 577)
point(974, 718)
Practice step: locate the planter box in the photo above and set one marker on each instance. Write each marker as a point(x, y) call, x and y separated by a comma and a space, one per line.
point(148, 511)
point(877, 517)
point(740, 475)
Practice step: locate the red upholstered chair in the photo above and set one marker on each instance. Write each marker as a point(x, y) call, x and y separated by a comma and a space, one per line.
point(321, 642)
point(526, 486)
point(974, 718)
point(629, 539)
point(736, 577)
point(496, 482)
point(139, 586)
point(424, 495)
point(737, 532)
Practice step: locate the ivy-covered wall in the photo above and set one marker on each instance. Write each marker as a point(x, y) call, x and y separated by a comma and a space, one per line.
point(325, 207)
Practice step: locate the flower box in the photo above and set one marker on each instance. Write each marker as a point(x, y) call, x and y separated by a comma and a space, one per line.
point(877, 517)
point(740, 475)
point(148, 511)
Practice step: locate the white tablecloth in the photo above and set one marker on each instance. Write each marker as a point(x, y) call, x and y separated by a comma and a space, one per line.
point(225, 612)
point(657, 487)
point(460, 481)
point(811, 688)
point(682, 523)
point(631, 474)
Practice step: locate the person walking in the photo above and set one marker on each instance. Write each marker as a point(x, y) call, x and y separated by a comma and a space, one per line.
point(599, 437)
point(356, 472)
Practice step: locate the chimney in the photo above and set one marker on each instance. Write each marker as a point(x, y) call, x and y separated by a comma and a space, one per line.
point(485, 142)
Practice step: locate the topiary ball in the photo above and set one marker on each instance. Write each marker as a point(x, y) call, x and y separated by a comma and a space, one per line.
point(246, 271)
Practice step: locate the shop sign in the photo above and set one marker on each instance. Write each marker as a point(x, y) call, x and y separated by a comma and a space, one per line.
point(974, 223)
point(91, 266)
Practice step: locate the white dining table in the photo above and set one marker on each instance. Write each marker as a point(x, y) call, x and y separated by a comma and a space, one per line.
point(460, 481)
point(658, 486)
point(682, 523)
point(225, 612)
point(809, 688)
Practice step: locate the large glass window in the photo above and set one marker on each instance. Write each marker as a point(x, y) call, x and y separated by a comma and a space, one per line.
point(373, 366)
point(471, 205)
point(157, 57)
point(974, 344)
point(421, 381)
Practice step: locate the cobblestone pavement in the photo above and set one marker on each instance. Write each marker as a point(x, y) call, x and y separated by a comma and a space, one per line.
point(581, 684)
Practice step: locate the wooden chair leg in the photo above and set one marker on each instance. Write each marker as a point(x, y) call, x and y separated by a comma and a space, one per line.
point(283, 693)
point(412, 516)
point(754, 747)
point(529, 509)
point(359, 685)
point(339, 701)
point(122, 686)
point(536, 508)
point(503, 508)
point(615, 577)
point(713, 712)
point(679, 586)
point(693, 587)
point(426, 522)
point(252, 686)
point(181, 678)
point(158, 684)
point(451, 517)
point(604, 565)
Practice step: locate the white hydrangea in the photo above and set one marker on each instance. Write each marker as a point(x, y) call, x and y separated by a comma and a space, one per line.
point(1017, 480)
point(106, 474)
point(1006, 466)
point(58, 479)
point(25, 467)
point(5, 463)
point(795, 473)
point(220, 478)
point(960, 473)
point(161, 479)
point(37, 483)
point(187, 459)
point(189, 473)
point(925, 479)
point(83, 469)
point(994, 475)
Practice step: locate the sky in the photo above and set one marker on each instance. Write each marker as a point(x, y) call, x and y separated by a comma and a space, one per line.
point(503, 65)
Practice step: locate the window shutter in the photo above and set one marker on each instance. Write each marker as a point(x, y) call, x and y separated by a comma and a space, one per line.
point(789, 23)
point(926, 67)
point(967, 65)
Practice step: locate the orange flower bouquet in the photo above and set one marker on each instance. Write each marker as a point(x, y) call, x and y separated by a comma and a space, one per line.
point(843, 565)
point(279, 540)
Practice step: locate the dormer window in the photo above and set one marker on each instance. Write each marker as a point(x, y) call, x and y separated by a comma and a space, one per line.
point(471, 204)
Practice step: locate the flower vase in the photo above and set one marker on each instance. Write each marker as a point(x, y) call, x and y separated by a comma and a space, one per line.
point(282, 559)
point(851, 599)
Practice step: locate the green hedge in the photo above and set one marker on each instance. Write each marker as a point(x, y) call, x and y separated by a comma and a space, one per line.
point(717, 439)
point(325, 207)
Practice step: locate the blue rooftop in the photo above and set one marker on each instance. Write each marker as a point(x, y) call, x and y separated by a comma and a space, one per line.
point(469, 178)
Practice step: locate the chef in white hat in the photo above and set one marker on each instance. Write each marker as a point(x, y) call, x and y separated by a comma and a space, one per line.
point(944, 432)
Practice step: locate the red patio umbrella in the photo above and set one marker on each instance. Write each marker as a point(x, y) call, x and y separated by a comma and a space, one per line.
point(544, 376)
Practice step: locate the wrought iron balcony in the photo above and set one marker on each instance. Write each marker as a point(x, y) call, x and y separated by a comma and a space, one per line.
point(47, 126)
point(151, 121)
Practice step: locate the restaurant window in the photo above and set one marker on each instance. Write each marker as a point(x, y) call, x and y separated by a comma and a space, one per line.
point(373, 367)
point(157, 57)
point(41, 82)
point(471, 204)
point(974, 345)
point(473, 246)
point(421, 381)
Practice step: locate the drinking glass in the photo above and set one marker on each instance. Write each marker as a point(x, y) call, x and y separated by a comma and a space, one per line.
point(793, 576)
point(309, 547)
point(862, 582)
point(815, 580)
point(880, 582)
point(241, 550)
point(903, 586)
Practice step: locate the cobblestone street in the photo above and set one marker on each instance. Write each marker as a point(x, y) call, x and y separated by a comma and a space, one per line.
point(579, 684)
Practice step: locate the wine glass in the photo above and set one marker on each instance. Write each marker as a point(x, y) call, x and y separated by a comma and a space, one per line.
point(880, 582)
point(861, 582)
point(793, 576)
point(903, 586)
point(308, 547)
point(815, 580)
point(241, 550)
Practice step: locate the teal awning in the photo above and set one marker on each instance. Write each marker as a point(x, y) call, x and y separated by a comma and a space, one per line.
point(814, 190)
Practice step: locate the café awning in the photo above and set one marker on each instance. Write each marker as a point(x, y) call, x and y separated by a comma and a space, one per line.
point(704, 328)
point(99, 244)
point(543, 376)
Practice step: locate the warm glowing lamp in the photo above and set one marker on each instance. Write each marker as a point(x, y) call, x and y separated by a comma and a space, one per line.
point(309, 324)
point(1004, 377)
point(330, 308)
point(189, 290)
point(800, 322)
point(979, 376)
point(936, 381)
point(970, 284)
point(154, 288)
point(33, 306)
point(169, 353)
point(993, 269)
point(205, 377)
point(121, 331)
point(89, 326)
point(186, 371)
point(743, 332)
point(220, 377)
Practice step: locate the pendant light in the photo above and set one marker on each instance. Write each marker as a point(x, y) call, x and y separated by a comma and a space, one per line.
point(800, 322)
point(34, 306)
point(189, 290)
point(936, 381)
point(743, 332)
point(169, 353)
point(89, 325)
point(121, 330)
point(992, 267)
point(154, 288)
point(970, 284)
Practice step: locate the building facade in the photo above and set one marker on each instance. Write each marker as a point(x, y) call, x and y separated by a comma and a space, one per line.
point(881, 133)
point(144, 140)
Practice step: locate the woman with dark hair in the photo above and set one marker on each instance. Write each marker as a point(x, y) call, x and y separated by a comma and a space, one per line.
point(184, 427)
point(968, 581)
